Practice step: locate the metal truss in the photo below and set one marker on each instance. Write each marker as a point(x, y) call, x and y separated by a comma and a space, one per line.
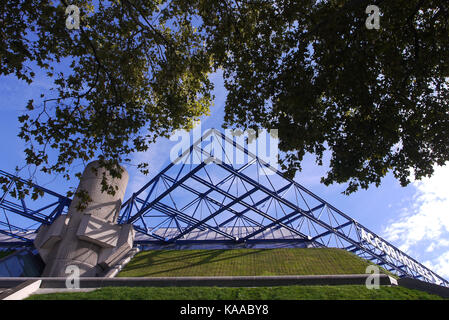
point(20, 218)
point(219, 192)
point(204, 196)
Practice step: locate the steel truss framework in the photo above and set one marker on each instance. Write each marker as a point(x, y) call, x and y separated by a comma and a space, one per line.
point(204, 196)
point(19, 218)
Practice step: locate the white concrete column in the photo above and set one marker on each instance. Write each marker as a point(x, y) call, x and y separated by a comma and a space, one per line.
point(72, 250)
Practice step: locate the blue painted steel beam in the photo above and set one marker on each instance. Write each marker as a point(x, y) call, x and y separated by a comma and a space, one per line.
point(205, 194)
point(145, 232)
point(187, 230)
point(163, 208)
point(217, 203)
point(153, 182)
point(249, 242)
point(10, 227)
point(202, 226)
point(335, 228)
point(277, 222)
point(33, 215)
point(287, 203)
point(23, 207)
point(131, 212)
point(15, 236)
point(165, 193)
point(355, 243)
point(294, 218)
point(258, 203)
point(38, 187)
point(243, 203)
point(294, 214)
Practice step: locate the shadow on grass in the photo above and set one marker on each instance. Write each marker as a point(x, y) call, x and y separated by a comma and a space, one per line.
point(208, 256)
point(237, 262)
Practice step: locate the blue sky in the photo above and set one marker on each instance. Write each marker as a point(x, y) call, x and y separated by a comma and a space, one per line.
point(414, 218)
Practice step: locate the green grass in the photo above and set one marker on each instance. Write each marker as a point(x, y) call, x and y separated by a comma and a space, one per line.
point(5, 253)
point(244, 262)
point(241, 262)
point(349, 292)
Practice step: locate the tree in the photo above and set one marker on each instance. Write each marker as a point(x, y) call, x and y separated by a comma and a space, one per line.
point(376, 99)
point(138, 70)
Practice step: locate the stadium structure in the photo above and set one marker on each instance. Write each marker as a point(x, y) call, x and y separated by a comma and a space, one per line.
point(204, 200)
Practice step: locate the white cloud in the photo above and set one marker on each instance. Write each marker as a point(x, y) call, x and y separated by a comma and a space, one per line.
point(440, 265)
point(423, 227)
point(441, 243)
point(156, 157)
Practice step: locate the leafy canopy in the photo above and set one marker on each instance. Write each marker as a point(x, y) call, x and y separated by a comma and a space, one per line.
point(377, 100)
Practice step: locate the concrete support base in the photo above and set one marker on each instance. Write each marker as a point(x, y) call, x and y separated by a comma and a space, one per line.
point(90, 239)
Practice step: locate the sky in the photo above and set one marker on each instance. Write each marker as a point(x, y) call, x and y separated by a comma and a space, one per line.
point(413, 218)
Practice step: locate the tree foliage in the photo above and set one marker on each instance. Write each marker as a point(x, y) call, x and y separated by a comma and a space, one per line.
point(137, 70)
point(377, 100)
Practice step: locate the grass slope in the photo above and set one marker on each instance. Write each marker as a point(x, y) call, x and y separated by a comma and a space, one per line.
point(244, 262)
point(349, 292)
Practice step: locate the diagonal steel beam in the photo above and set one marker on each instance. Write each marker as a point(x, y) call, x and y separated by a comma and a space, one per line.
point(274, 223)
point(145, 232)
point(215, 202)
point(293, 206)
point(258, 203)
point(204, 194)
point(165, 193)
point(215, 213)
point(16, 236)
point(15, 208)
point(329, 231)
point(192, 221)
point(243, 203)
point(293, 219)
point(290, 217)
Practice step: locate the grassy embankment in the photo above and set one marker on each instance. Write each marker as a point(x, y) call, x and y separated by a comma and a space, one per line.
point(244, 262)
point(348, 292)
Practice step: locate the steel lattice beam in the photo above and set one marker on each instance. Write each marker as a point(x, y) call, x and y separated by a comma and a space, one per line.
point(308, 218)
point(25, 211)
point(211, 201)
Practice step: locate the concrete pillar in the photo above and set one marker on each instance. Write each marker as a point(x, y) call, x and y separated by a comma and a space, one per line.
point(83, 238)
